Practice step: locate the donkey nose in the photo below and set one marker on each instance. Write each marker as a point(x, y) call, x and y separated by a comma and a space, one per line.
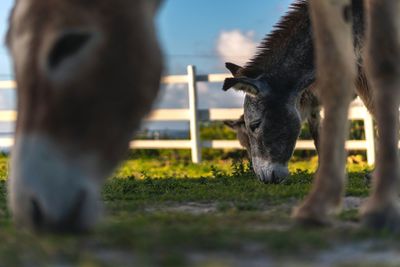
point(272, 173)
point(50, 191)
point(69, 220)
point(274, 178)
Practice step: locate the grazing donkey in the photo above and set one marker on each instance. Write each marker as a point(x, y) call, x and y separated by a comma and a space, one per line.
point(336, 71)
point(279, 83)
point(307, 106)
point(87, 73)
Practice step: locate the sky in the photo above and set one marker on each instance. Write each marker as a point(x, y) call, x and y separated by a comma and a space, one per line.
point(204, 33)
point(195, 27)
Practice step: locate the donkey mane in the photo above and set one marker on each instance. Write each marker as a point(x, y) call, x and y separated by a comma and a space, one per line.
point(274, 44)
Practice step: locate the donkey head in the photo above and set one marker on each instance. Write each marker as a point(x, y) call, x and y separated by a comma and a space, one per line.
point(271, 125)
point(87, 72)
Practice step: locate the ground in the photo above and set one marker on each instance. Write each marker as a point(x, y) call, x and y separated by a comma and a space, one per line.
point(161, 213)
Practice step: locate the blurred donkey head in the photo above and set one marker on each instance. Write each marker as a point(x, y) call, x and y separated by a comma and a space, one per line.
point(87, 73)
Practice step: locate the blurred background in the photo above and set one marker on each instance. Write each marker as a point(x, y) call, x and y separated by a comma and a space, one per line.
point(203, 33)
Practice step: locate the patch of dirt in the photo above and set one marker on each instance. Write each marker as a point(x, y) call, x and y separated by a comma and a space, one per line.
point(114, 257)
point(354, 255)
point(351, 203)
point(198, 208)
point(227, 259)
point(370, 253)
point(194, 208)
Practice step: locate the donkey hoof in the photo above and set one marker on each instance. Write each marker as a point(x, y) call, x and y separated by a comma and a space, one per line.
point(308, 217)
point(383, 219)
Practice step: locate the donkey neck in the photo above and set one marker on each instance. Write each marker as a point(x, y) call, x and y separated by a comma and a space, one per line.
point(286, 55)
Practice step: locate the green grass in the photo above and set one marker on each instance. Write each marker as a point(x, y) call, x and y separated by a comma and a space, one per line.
point(162, 213)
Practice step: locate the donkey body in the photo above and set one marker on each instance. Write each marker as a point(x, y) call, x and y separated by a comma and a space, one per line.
point(279, 83)
point(87, 73)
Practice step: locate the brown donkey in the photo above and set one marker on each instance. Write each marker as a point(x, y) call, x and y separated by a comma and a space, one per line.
point(336, 71)
point(87, 73)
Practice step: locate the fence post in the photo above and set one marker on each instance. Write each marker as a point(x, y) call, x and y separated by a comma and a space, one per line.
point(194, 122)
point(369, 137)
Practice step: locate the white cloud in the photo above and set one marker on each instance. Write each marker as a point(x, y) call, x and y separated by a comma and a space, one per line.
point(236, 46)
point(212, 96)
point(173, 96)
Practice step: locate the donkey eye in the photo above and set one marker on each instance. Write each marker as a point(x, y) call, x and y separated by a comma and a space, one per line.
point(255, 125)
point(67, 46)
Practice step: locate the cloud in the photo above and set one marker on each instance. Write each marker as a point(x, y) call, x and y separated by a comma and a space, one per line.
point(173, 96)
point(211, 96)
point(236, 46)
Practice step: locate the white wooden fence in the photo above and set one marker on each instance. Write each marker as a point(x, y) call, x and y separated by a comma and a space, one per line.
point(193, 115)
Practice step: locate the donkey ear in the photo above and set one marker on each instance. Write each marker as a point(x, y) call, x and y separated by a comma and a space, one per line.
point(155, 5)
point(233, 68)
point(235, 124)
point(252, 87)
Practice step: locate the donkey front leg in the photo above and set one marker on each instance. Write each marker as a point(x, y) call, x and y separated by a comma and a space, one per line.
point(336, 73)
point(383, 67)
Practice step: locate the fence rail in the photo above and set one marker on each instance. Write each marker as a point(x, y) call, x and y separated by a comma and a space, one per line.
point(194, 116)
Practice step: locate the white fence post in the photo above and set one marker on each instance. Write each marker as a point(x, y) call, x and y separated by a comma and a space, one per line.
point(369, 137)
point(194, 120)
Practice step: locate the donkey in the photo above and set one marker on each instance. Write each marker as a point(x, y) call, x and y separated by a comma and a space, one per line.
point(336, 67)
point(87, 73)
point(307, 106)
point(280, 88)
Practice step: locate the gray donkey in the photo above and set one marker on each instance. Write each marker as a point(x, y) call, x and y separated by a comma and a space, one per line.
point(279, 83)
point(307, 105)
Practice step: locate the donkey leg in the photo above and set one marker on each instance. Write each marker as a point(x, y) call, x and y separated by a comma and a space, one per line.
point(314, 122)
point(383, 67)
point(336, 73)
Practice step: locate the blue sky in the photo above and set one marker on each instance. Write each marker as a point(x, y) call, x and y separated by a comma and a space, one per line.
point(5, 69)
point(205, 33)
point(192, 27)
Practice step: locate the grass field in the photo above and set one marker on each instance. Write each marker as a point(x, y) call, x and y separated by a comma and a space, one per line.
point(161, 213)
